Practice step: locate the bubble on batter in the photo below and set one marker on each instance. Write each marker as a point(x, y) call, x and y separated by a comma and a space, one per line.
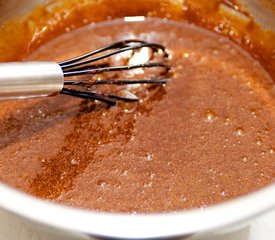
point(149, 156)
point(258, 141)
point(202, 206)
point(74, 162)
point(133, 213)
point(254, 113)
point(148, 185)
point(222, 193)
point(263, 153)
point(246, 40)
point(99, 199)
point(215, 52)
point(125, 173)
point(102, 184)
point(210, 116)
point(239, 131)
point(152, 175)
point(210, 170)
point(85, 21)
point(186, 55)
point(63, 175)
point(185, 7)
point(244, 158)
point(183, 198)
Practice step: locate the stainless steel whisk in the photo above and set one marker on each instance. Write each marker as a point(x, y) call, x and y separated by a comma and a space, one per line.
point(21, 80)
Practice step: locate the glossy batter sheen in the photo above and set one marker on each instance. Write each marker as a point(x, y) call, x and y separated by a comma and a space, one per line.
point(205, 137)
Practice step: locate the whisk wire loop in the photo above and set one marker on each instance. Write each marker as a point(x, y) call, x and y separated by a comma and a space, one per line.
point(91, 64)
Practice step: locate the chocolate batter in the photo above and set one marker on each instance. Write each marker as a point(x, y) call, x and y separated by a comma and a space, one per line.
point(205, 137)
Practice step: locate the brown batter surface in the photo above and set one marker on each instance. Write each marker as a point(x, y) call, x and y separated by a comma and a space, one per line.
point(205, 137)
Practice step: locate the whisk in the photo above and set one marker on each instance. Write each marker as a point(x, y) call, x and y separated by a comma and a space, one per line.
point(20, 80)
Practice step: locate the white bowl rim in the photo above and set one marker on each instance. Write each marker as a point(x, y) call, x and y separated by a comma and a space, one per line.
point(121, 225)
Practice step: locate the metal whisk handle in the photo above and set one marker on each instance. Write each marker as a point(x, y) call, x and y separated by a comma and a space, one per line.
point(30, 79)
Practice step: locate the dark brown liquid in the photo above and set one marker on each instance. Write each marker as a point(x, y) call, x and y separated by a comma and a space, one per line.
point(206, 137)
